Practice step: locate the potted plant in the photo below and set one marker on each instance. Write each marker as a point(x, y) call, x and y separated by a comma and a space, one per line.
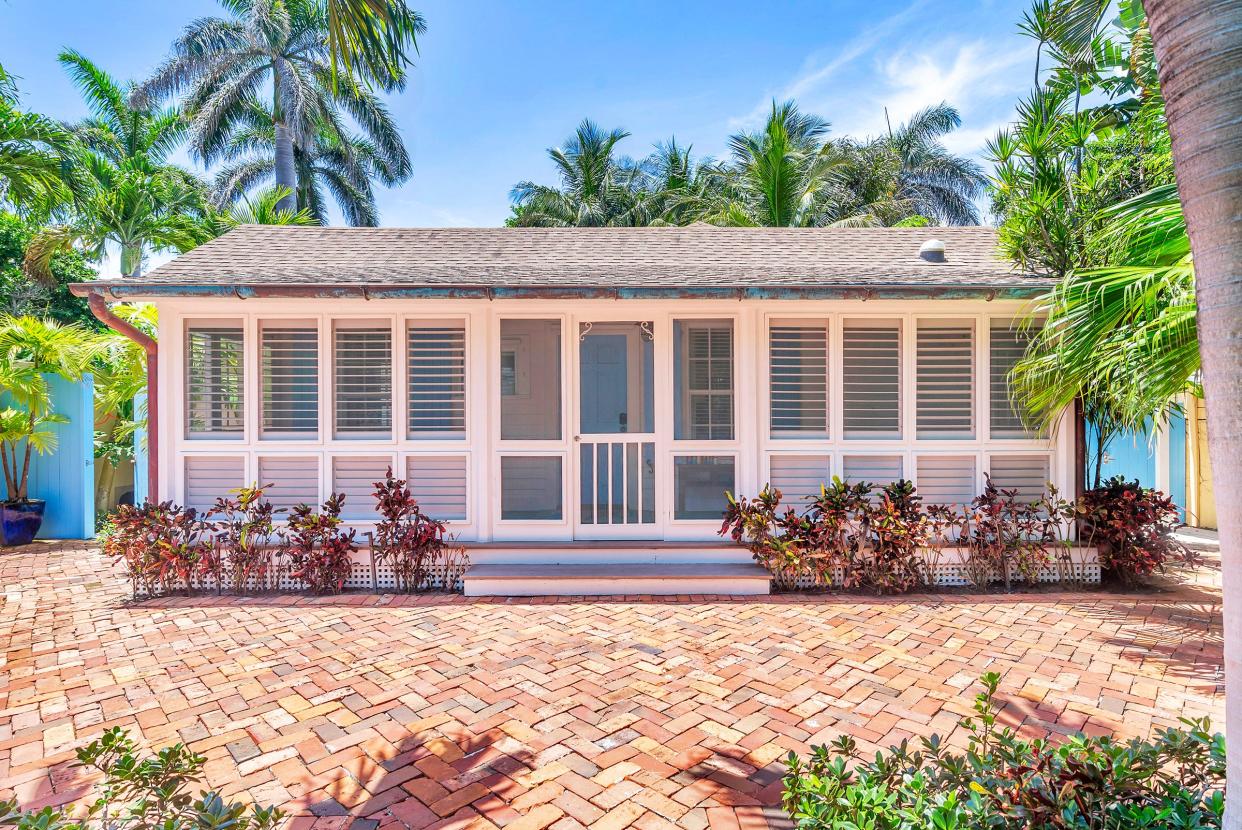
point(30, 350)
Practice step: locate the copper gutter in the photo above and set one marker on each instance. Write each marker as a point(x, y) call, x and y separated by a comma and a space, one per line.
point(100, 309)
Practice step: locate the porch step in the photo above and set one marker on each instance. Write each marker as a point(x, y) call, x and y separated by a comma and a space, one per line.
point(594, 553)
point(615, 578)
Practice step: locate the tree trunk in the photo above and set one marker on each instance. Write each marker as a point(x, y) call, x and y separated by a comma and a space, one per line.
point(1198, 47)
point(286, 175)
point(131, 259)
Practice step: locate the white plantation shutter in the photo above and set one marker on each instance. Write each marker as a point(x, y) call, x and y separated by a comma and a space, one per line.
point(209, 477)
point(1028, 474)
point(214, 373)
point(799, 477)
point(356, 477)
point(292, 480)
point(705, 397)
point(363, 381)
point(289, 375)
point(798, 380)
point(438, 484)
point(436, 359)
point(871, 378)
point(945, 380)
point(872, 469)
point(947, 479)
point(1008, 344)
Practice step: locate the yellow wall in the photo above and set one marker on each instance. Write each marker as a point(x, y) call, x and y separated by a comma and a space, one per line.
point(1201, 501)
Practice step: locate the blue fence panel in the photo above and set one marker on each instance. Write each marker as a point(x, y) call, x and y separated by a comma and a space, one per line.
point(140, 451)
point(66, 478)
point(1177, 463)
point(1133, 456)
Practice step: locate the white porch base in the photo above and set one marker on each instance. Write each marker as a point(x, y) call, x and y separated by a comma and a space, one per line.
point(615, 579)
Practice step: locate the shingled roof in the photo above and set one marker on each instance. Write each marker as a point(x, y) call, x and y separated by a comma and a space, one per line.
point(264, 259)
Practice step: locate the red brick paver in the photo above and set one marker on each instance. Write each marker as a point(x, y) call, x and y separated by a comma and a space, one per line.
point(435, 711)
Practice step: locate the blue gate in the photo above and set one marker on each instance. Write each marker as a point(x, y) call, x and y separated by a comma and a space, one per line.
point(66, 478)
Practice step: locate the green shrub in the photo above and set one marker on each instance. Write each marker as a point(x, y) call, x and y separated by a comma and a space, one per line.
point(143, 794)
point(1175, 780)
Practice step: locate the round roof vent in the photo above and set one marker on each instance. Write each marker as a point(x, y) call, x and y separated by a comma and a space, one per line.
point(932, 250)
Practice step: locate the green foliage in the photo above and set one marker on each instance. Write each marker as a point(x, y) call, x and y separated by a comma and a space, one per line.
point(137, 793)
point(34, 156)
point(788, 173)
point(1132, 526)
point(1175, 780)
point(20, 295)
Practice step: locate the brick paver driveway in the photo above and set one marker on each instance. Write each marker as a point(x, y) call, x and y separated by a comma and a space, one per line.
point(432, 710)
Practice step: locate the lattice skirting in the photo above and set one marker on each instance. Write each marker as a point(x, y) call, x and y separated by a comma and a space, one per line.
point(948, 568)
point(364, 575)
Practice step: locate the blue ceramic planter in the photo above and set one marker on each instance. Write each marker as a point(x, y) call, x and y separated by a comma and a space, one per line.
point(20, 521)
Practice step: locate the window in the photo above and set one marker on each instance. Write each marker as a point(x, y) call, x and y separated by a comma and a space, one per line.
point(799, 477)
point(1008, 344)
point(947, 479)
point(530, 488)
point(945, 380)
point(798, 380)
point(363, 380)
point(214, 371)
point(871, 379)
point(876, 470)
point(293, 481)
point(704, 380)
point(355, 477)
point(699, 486)
point(209, 477)
point(289, 369)
point(436, 357)
point(438, 483)
point(530, 380)
point(1028, 474)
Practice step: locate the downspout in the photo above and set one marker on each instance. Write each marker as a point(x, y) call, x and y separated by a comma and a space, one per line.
point(101, 311)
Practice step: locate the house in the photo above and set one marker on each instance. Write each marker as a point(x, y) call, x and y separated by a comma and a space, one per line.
point(576, 402)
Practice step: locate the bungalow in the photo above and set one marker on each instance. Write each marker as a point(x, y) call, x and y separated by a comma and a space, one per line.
point(576, 402)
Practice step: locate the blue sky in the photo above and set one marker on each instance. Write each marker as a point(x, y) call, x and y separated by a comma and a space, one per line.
point(499, 82)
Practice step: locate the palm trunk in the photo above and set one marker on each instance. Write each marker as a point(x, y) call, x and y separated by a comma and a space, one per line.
point(131, 259)
point(1198, 47)
point(286, 173)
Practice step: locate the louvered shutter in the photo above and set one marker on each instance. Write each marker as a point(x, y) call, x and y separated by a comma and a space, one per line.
point(356, 477)
point(214, 382)
point(947, 479)
point(289, 374)
point(871, 379)
point(290, 480)
point(436, 361)
point(798, 380)
point(945, 380)
point(1008, 344)
point(209, 477)
point(363, 381)
point(1028, 474)
point(799, 477)
point(872, 469)
point(438, 483)
point(705, 378)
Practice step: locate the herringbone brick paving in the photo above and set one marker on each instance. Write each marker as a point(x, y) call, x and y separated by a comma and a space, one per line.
point(389, 713)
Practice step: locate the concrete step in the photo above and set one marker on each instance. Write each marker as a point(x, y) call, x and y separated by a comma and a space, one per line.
point(615, 578)
point(591, 553)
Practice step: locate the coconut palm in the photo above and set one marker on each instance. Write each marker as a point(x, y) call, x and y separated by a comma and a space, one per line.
point(597, 188)
point(275, 50)
point(33, 150)
point(344, 168)
point(775, 175)
point(125, 191)
point(936, 183)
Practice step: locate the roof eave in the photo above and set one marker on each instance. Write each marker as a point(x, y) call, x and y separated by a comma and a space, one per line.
point(981, 290)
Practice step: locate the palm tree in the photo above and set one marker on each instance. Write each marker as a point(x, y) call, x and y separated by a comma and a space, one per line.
point(1120, 337)
point(33, 150)
point(936, 183)
point(776, 174)
point(596, 189)
point(344, 168)
point(372, 38)
point(263, 209)
point(125, 191)
point(1196, 44)
point(276, 49)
